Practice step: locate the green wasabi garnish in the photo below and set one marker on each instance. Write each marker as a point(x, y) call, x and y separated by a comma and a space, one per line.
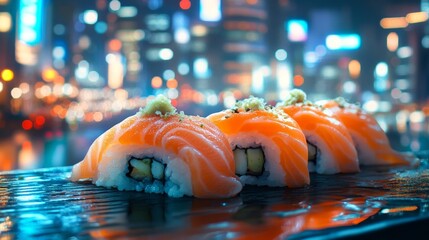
point(341, 102)
point(250, 104)
point(160, 106)
point(255, 104)
point(344, 103)
point(295, 96)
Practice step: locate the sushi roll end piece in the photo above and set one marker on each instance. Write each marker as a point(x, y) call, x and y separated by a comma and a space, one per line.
point(370, 140)
point(159, 150)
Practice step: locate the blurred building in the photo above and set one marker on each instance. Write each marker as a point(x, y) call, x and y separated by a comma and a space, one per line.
point(75, 68)
point(87, 61)
point(245, 45)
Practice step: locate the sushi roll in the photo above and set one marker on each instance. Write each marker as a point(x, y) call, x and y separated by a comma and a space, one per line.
point(330, 146)
point(159, 150)
point(370, 140)
point(269, 147)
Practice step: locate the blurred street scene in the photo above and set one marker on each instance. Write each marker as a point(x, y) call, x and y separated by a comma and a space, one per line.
point(69, 70)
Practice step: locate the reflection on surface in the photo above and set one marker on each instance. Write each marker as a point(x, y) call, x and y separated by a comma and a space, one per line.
point(63, 209)
point(399, 209)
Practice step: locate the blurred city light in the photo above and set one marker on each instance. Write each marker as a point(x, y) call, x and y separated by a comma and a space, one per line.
point(381, 69)
point(166, 54)
point(84, 42)
point(127, 12)
point(155, 4)
point(185, 4)
point(172, 83)
point(354, 69)
point(182, 35)
point(101, 27)
point(417, 17)
point(27, 124)
point(395, 93)
point(199, 30)
point(183, 68)
point(16, 93)
point(381, 74)
point(425, 41)
point(210, 10)
point(284, 80)
point(50, 74)
point(168, 74)
point(393, 22)
point(229, 100)
point(82, 70)
point(298, 80)
point(370, 106)
point(201, 68)
point(59, 29)
point(281, 54)
point(26, 156)
point(310, 58)
point(90, 17)
point(115, 71)
point(297, 30)
point(157, 22)
point(5, 22)
point(7, 75)
point(343, 41)
point(329, 72)
point(258, 80)
point(401, 120)
point(405, 52)
point(417, 116)
point(59, 52)
point(392, 41)
point(349, 87)
point(30, 21)
point(156, 82)
point(25, 54)
point(115, 5)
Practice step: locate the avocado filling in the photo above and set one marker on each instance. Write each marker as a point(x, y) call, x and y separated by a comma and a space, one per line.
point(312, 152)
point(249, 161)
point(142, 169)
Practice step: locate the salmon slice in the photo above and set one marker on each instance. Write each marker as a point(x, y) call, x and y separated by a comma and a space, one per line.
point(197, 156)
point(370, 140)
point(249, 126)
point(335, 150)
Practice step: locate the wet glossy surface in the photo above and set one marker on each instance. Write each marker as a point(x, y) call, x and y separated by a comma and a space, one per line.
point(381, 203)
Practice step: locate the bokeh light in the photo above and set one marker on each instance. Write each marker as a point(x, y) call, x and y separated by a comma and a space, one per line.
point(354, 69)
point(5, 22)
point(90, 17)
point(172, 83)
point(156, 82)
point(27, 124)
point(281, 54)
point(185, 4)
point(7, 75)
